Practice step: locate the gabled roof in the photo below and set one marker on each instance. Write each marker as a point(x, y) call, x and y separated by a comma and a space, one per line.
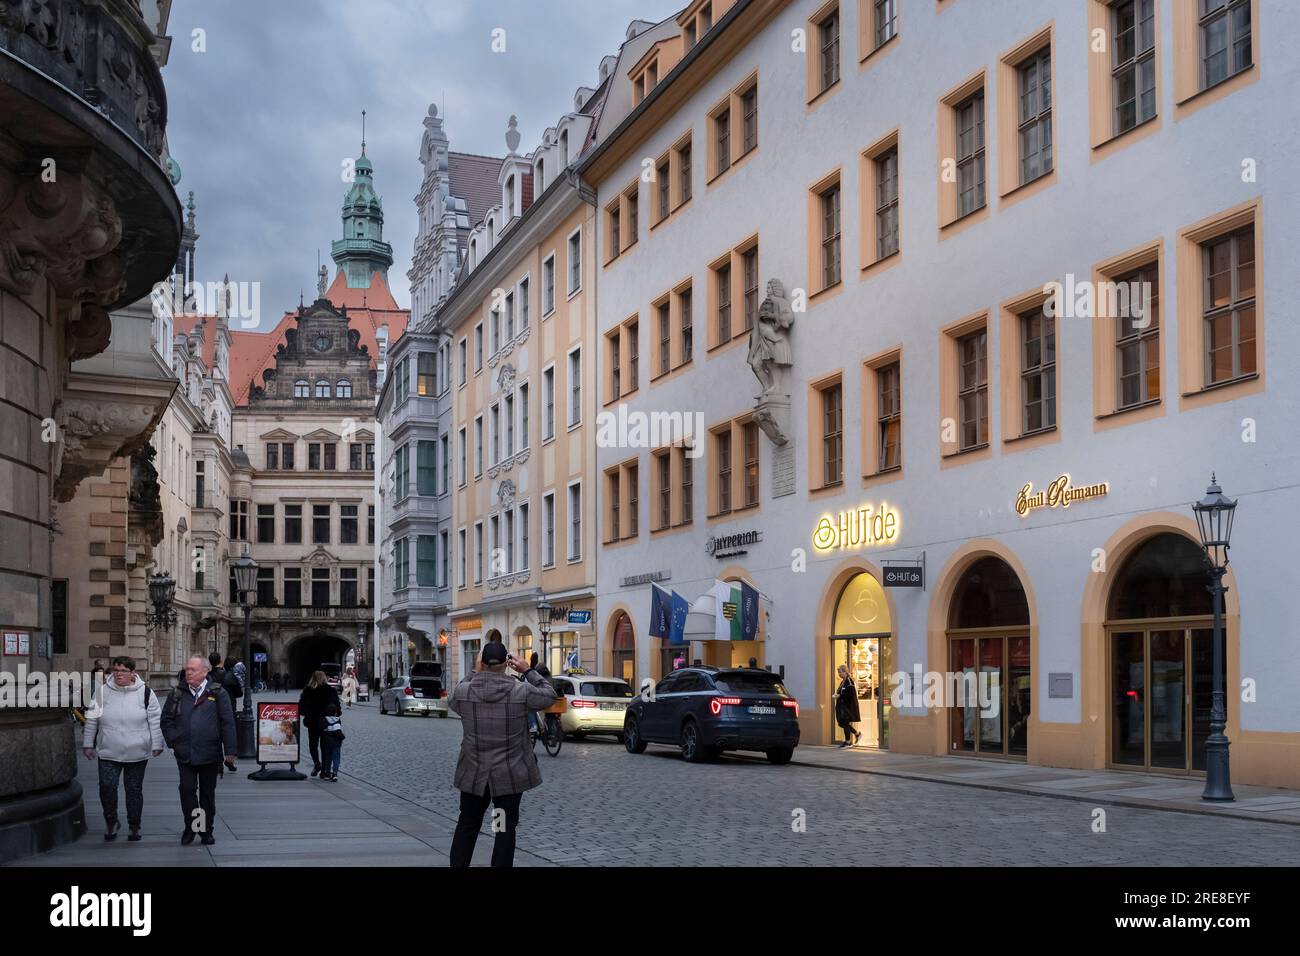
point(368, 311)
point(475, 179)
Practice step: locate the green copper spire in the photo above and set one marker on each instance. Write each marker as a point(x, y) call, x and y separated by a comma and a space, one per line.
point(362, 250)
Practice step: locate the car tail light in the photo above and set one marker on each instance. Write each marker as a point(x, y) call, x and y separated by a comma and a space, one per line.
point(715, 705)
point(442, 693)
point(791, 703)
point(582, 703)
point(409, 692)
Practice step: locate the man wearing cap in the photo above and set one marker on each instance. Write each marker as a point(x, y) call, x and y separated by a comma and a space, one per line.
point(496, 762)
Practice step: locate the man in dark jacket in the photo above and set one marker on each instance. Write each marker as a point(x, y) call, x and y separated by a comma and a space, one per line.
point(221, 676)
point(198, 723)
point(496, 763)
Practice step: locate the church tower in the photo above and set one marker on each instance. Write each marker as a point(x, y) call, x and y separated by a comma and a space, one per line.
point(362, 250)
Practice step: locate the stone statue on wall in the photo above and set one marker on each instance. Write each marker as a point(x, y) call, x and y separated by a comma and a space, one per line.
point(770, 356)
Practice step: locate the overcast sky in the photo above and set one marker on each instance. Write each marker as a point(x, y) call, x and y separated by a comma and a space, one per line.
point(262, 122)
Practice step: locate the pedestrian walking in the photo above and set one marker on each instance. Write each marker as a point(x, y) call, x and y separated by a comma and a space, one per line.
point(331, 742)
point(313, 703)
point(275, 682)
point(123, 730)
point(496, 763)
point(240, 671)
point(846, 708)
point(388, 677)
point(97, 674)
point(198, 723)
point(223, 676)
point(350, 688)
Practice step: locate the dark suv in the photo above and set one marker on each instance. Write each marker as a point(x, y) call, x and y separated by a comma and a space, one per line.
point(707, 710)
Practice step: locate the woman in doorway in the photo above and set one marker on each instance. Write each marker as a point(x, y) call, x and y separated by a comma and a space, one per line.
point(312, 704)
point(846, 708)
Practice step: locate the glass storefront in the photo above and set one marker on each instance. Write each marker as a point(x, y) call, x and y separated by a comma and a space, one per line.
point(861, 642)
point(989, 677)
point(1160, 646)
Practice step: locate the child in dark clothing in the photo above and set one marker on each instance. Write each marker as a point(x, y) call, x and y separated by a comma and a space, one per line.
point(331, 741)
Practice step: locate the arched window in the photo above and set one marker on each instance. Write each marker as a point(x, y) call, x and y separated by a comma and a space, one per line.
point(322, 388)
point(988, 651)
point(301, 389)
point(623, 650)
point(1160, 651)
point(343, 389)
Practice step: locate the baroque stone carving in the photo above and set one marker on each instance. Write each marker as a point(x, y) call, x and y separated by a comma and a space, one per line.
point(770, 356)
point(506, 377)
point(93, 434)
point(145, 503)
point(506, 493)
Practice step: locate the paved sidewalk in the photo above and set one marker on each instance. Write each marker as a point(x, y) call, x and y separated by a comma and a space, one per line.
point(1151, 791)
point(273, 823)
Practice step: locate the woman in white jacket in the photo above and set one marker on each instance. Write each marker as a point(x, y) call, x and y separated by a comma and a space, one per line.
point(123, 729)
point(350, 688)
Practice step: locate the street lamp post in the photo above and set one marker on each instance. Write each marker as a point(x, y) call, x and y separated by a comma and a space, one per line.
point(544, 626)
point(246, 583)
point(1214, 522)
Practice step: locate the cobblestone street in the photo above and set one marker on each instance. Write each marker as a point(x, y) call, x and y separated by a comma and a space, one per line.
point(600, 805)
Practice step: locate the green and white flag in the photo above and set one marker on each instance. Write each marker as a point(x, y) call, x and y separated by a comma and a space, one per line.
point(727, 614)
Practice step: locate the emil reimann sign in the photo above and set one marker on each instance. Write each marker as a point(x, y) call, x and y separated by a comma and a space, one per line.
point(1059, 494)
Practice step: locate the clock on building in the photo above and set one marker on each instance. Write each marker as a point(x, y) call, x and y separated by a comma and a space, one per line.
point(322, 342)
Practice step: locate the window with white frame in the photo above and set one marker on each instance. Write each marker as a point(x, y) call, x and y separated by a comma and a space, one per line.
point(575, 387)
point(548, 529)
point(575, 262)
point(548, 404)
point(575, 522)
point(548, 285)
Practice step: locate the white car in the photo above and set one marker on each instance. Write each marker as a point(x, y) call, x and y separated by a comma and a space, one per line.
point(413, 696)
point(595, 705)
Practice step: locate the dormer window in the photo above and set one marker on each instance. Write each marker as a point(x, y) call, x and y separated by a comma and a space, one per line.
point(564, 149)
point(510, 198)
point(541, 176)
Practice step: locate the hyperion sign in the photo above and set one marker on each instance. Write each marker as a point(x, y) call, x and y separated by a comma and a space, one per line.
point(1059, 494)
point(867, 527)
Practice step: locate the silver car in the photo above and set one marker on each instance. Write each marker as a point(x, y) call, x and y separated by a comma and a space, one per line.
point(405, 697)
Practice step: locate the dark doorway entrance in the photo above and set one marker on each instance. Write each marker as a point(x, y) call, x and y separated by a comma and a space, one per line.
point(308, 653)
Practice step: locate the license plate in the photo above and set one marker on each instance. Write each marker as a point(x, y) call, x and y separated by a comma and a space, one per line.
point(760, 709)
point(606, 705)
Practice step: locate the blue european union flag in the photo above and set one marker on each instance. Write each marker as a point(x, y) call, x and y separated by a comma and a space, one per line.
point(680, 610)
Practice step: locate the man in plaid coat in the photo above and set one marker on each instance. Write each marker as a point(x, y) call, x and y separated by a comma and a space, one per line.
point(496, 762)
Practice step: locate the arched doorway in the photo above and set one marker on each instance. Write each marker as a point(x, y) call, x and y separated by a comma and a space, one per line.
point(1159, 657)
point(989, 662)
point(308, 652)
point(622, 650)
point(522, 644)
point(861, 633)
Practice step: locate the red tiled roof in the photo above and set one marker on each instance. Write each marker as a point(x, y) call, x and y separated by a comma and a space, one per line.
point(368, 310)
point(475, 179)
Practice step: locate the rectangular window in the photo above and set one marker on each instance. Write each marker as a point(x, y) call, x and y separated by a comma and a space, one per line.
point(460, 545)
point(402, 471)
point(293, 587)
point(478, 446)
point(370, 526)
point(494, 331)
point(684, 304)
point(664, 491)
point(509, 412)
point(612, 493)
point(266, 586)
point(510, 317)
point(749, 119)
point(478, 348)
point(524, 559)
point(444, 559)
point(238, 519)
point(973, 388)
point(889, 417)
point(750, 431)
point(286, 455)
point(830, 210)
point(510, 541)
point(348, 524)
point(722, 140)
point(886, 21)
point(633, 216)
point(665, 338)
point(320, 524)
point(1225, 39)
point(293, 524)
point(615, 227)
point(970, 154)
point(684, 172)
point(1035, 120)
point(663, 176)
point(722, 448)
point(749, 266)
point(272, 456)
point(1229, 306)
point(494, 435)
point(548, 404)
point(370, 456)
point(425, 383)
point(348, 587)
point(575, 387)
point(548, 285)
point(59, 615)
point(426, 561)
point(1037, 371)
point(688, 485)
point(462, 352)
point(633, 500)
point(1133, 76)
point(401, 564)
point(828, 37)
point(887, 203)
point(832, 434)
point(575, 522)
point(523, 416)
point(199, 564)
point(722, 283)
point(548, 530)
point(575, 262)
point(355, 456)
point(313, 456)
point(523, 304)
point(615, 369)
point(478, 552)
point(370, 585)
point(633, 356)
point(1137, 338)
point(266, 524)
point(330, 451)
